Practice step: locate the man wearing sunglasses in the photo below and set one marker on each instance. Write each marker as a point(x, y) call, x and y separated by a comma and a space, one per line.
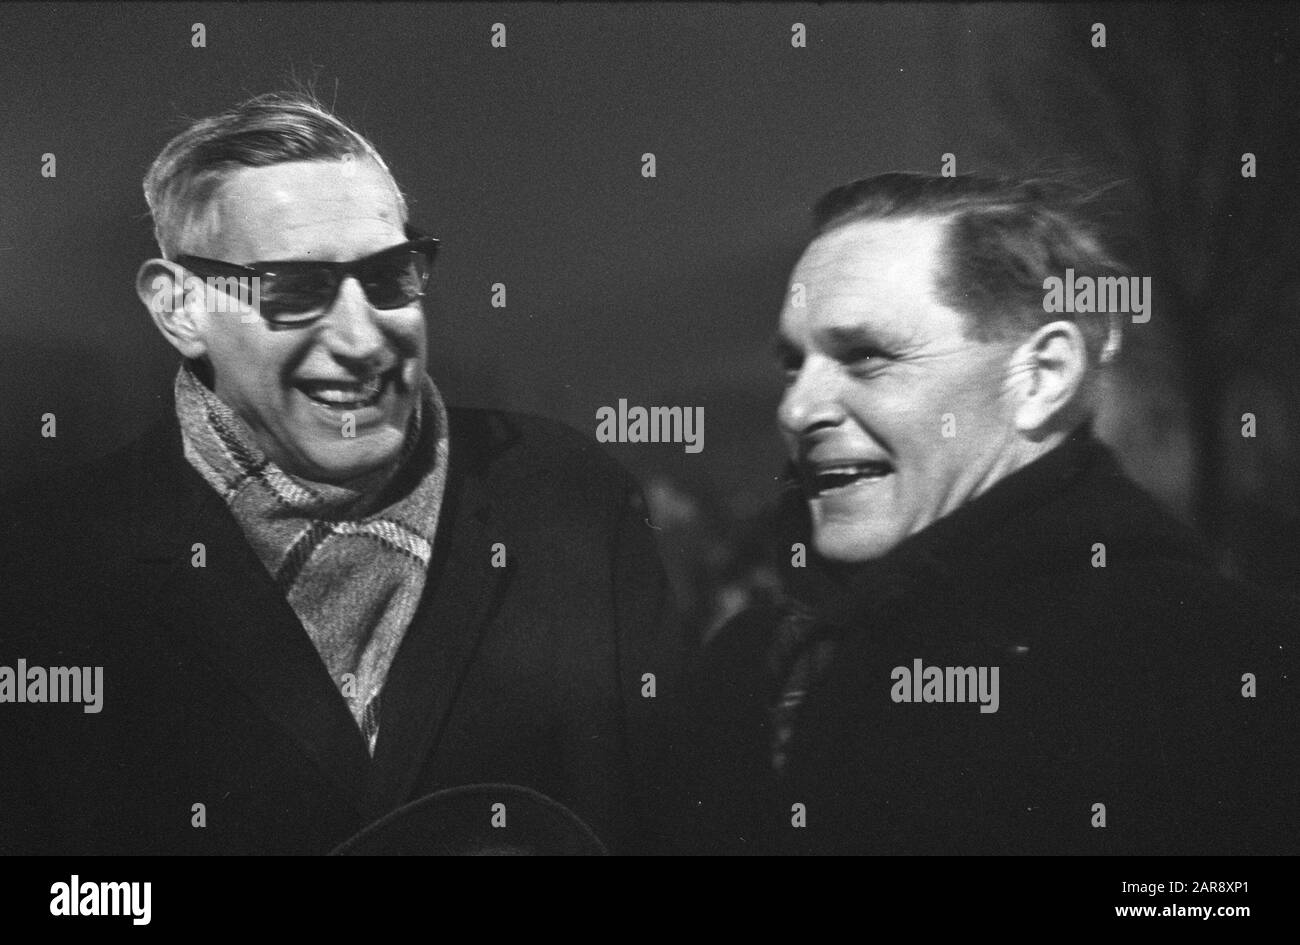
point(316, 592)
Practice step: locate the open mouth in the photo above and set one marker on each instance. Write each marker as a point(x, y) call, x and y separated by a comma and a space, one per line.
point(348, 395)
point(819, 480)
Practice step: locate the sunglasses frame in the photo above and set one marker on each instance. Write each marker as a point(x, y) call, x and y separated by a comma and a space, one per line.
point(416, 241)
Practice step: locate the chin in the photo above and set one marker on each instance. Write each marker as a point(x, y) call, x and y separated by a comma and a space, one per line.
point(341, 463)
point(846, 545)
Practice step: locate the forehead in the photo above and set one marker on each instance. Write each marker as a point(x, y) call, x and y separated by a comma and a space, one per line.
point(878, 273)
point(300, 209)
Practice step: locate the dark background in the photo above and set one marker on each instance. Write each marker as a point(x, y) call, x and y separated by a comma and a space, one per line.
point(526, 162)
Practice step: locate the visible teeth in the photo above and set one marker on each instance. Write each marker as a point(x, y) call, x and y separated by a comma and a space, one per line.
point(863, 469)
point(345, 394)
point(337, 395)
point(834, 477)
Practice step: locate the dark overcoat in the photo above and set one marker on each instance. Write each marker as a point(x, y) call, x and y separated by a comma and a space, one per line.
point(536, 674)
point(1145, 705)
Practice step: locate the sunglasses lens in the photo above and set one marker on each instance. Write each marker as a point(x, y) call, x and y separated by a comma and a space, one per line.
point(396, 280)
point(297, 293)
point(290, 297)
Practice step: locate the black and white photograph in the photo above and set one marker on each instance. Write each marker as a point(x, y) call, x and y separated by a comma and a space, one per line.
point(650, 429)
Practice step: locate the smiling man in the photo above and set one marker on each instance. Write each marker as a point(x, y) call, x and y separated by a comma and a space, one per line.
point(954, 534)
point(316, 592)
point(878, 366)
point(293, 386)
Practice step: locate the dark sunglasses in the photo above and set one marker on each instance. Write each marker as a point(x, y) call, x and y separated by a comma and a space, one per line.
point(295, 292)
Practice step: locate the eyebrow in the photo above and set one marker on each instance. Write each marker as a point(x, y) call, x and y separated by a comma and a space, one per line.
point(845, 337)
point(263, 263)
point(410, 234)
point(839, 339)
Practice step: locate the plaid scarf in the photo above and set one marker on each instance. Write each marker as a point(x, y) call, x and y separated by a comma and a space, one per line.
point(350, 559)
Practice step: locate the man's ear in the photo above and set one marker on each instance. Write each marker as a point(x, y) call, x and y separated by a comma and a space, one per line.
point(1050, 368)
point(179, 314)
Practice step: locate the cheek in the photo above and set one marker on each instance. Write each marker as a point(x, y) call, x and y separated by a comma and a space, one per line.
point(241, 360)
point(898, 417)
point(968, 404)
point(404, 331)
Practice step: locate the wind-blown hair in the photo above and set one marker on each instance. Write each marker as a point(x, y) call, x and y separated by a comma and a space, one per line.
point(1004, 237)
point(274, 128)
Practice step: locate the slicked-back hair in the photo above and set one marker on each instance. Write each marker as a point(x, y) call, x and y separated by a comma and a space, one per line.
point(1003, 238)
point(274, 128)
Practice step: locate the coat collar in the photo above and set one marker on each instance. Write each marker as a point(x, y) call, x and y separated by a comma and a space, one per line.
point(462, 593)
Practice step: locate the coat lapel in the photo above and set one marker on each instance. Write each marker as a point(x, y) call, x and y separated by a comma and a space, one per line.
point(462, 592)
point(231, 611)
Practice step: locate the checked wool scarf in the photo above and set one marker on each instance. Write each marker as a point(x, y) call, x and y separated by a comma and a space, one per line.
point(350, 559)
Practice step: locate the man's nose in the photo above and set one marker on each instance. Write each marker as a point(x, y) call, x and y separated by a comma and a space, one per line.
point(351, 330)
point(812, 399)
